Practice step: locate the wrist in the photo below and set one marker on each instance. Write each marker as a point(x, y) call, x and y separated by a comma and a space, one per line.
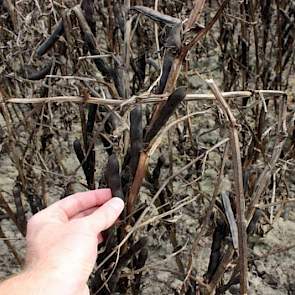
point(38, 282)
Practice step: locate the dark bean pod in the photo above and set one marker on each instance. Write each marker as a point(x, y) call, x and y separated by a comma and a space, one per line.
point(34, 200)
point(119, 17)
point(139, 262)
point(254, 222)
point(164, 114)
point(49, 42)
point(167, 64)
point(153, 64)
point(233, 281)
point(92, 108)
point(156, 15)
point(219, 235)
point(124, 260)
point(110, 239)
point(88, 164)
point(105, 70)
point(157, 171)
point(20, 212)
point(139, 67)
point(118, 78)
point(134, 249)
point(87, 7)
point(113, 178)
point(34, 75)
point(89, 144)
point(131, 159)
point(246, 175)
point(90, 169)
point(173, 37)
point(136, 135)
point(79, 151)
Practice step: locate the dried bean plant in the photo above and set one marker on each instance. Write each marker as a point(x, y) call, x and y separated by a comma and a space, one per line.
point(115, 94)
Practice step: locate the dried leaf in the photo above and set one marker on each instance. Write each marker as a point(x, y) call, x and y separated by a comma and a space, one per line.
point(156, 15)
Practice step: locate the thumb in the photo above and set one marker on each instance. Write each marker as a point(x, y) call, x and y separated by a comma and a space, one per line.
point(105, 216)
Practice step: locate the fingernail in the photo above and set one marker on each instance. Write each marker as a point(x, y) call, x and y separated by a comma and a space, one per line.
point(117, 204)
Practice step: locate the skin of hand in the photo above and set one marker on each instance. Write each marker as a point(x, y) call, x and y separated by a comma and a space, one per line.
point(62, 244)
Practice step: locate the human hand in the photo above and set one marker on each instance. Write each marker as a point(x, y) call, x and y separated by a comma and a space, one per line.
point(62, 241)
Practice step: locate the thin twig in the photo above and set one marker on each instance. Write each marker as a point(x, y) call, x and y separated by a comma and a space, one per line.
point(195, 14)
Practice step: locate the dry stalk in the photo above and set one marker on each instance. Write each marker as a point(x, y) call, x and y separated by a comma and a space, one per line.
point(195, 14)
point(238, 180)
point(139, 99)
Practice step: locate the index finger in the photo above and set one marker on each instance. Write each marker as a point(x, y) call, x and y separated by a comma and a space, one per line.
point(76, 203)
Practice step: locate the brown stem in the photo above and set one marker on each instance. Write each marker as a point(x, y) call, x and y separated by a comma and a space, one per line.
point(238, 180)
point(195, 13)
point(139, 176)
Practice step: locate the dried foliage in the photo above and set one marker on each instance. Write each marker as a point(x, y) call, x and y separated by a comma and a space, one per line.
point(117, 85)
